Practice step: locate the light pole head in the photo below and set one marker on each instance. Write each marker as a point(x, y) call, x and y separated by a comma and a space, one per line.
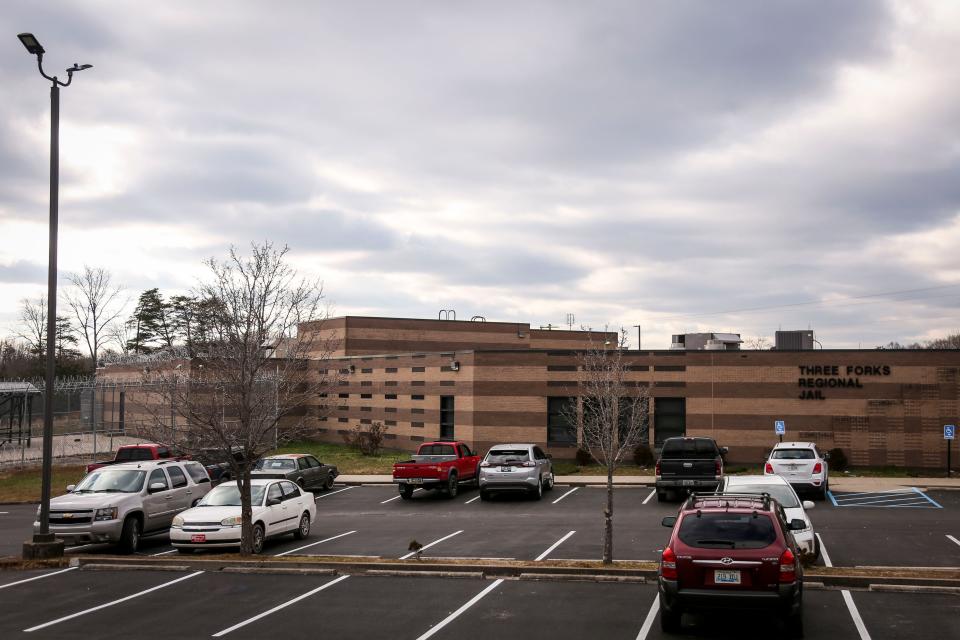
point(79, 67)
point(31, 43)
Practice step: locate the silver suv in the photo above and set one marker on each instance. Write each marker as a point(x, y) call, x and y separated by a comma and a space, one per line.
point(123, 502)
point(516, 467)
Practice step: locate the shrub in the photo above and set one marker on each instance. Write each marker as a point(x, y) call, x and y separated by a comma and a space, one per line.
point(642, 455)
point(584, 458)
point(838, 459)
point(368, 442)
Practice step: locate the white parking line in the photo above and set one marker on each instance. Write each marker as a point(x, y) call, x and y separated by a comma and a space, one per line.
point(652, 493)
point(327, 495)
point(81, 546)
point(163, 553)
point(312, 544)
point(46, 575)
point(651, 616)
point(397, 497)
point(553, 546)
point(110, 604)
point(847, 598)
point(427, 546)
point(472, 499)
point(565, 495)
point(453, 616)
point(279, 607)
point(954, 539)
point(855, 614)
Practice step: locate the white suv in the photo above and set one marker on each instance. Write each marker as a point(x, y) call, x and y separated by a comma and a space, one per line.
point(800, 464)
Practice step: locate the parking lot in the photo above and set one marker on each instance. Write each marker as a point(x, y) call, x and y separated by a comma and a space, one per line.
point(369, 521)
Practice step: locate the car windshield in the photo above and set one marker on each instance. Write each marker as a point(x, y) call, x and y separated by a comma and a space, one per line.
point(689, 448)
point(727, 530)
point(112, 481)
point(782, 494)
point(498, 456)
point(276, 464)
point(228, 495)
point(793, 454)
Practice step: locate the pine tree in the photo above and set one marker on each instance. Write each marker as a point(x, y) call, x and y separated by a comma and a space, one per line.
point(146, 323)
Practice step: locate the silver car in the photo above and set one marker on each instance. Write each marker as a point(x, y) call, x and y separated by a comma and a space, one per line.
point(516, 467)
point(123, 502)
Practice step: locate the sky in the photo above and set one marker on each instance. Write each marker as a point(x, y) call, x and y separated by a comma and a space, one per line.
point(682, 166)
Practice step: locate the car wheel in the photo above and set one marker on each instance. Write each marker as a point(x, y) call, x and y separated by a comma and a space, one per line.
point(661, 496)
point(823, 491)
point(538, 492)
point(406, 491)
point(130, 535)
point(303, 530)
point(669, 621)
point(258, 537)
point(484, 495)
point(301, 484)
point(452, 485)
point(550, 480)
point(329, 483)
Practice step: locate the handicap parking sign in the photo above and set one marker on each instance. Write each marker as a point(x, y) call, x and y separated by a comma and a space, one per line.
point(949, 431)
point(780, 427)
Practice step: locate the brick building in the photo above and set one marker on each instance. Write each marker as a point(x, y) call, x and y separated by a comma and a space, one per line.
point(491, 382)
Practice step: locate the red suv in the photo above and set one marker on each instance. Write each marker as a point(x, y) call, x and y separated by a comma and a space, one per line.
point(731, 551)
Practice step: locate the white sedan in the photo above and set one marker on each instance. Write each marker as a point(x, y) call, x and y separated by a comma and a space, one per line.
point(279, 507)
point(781, 491)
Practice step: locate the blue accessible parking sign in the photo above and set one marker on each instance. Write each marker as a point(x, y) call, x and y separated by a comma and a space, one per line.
point(779, 427)
point(949, 431)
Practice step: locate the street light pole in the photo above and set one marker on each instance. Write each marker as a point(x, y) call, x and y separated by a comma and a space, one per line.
point(44, 543)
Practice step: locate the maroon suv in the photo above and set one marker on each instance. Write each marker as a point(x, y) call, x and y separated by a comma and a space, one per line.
point(731, 551)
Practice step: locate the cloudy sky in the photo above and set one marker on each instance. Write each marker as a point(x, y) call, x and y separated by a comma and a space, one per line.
point(670, 164)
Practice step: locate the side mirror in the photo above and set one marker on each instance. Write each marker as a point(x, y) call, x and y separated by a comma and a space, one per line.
point(724, 450)
point(71, 487)
point(156, 487)
point(272, 502)
point(549, 456)
point(826, 456)
point(808, 504)
point(669, 521)
point(797, 525)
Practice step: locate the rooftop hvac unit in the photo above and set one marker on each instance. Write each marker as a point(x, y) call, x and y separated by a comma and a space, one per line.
point(715, 345)
point(794, 340)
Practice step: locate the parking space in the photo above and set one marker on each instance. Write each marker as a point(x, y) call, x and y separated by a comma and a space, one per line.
point(909, 498)
point(79, 603)
point(367, 521)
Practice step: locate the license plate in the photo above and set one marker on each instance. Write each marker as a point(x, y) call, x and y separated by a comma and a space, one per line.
point(506, 468)
point(198, 537)
point(688, 483)
point(726, 577)
point(415, 480)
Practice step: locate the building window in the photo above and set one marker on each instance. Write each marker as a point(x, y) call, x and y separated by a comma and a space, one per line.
point(344, 395)
point(418, 369)
point(416, 425)
point(446, 417)
point(366, 395)
point(390, 370)
point(366, 370)
point(390, 423)
point(343, 419)
point(416, 397)
point(560, 428)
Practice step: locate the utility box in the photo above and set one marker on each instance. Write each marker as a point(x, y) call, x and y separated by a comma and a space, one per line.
point(794, 340)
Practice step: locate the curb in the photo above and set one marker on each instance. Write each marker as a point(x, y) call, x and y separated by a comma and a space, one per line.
point(516, 571)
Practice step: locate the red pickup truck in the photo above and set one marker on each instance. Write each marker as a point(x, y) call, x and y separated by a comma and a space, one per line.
point(437, 465)
point(136, 453)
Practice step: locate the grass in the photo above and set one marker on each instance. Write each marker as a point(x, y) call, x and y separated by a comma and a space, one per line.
point(23, 485)
point(347, 459)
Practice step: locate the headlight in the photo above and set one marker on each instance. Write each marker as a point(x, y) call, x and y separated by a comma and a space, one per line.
point(110, 513)
point(38, 511)
point(232, 521)
point(177, 522)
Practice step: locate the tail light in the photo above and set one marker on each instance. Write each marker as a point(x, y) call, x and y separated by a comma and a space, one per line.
point(529, 463)
point(768, 468)
point(658, 468)
point(818, 468)
point(716, 468)
point(485, 465)
point(788, 569)
point(668, 564)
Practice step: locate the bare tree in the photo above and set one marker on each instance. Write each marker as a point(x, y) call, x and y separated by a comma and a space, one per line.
point(248, 391)
point(33, 324)
point(96, 303)
point(120, 334)
point(759, 343)
point(611, 417)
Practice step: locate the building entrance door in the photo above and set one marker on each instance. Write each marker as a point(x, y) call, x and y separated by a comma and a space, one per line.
point(670, 419)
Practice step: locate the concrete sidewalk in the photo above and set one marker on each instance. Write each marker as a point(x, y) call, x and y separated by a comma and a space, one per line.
point(837, 482)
